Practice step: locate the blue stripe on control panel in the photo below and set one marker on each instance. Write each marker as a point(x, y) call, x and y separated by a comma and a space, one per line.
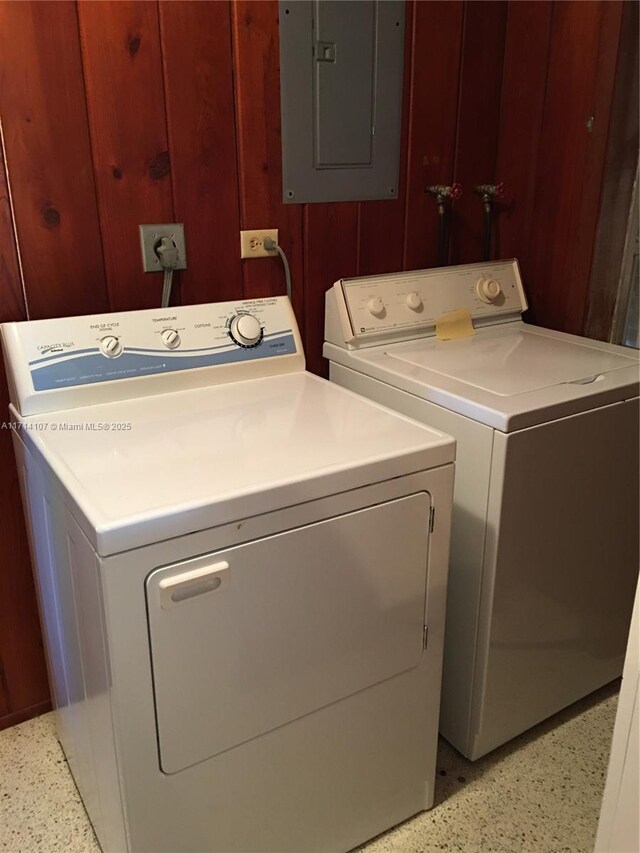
point(89, 369)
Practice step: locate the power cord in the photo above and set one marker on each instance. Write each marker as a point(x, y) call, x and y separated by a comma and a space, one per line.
point(167, 253)
point(271, 246)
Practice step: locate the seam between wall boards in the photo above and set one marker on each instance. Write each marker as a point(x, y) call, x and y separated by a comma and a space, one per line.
point(16, 239)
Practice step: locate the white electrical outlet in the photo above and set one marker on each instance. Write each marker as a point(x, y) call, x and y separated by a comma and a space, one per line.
point(252, 243)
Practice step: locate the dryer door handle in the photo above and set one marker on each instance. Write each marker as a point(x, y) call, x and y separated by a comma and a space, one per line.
point(180, 588)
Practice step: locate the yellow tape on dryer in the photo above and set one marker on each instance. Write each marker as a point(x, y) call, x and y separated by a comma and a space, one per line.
point(454, 325)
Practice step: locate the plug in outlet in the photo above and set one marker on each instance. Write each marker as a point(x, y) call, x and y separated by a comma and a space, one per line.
point(252, 243)
point(149, 237)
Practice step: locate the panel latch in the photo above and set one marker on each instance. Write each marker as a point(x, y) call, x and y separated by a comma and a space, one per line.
point(325, 51)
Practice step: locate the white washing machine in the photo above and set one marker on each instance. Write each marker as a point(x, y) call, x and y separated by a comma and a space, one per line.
point(242, 576)
point(544, 549)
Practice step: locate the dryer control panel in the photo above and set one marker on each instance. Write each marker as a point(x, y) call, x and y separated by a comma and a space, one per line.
point(78, 361)
point(362, 311)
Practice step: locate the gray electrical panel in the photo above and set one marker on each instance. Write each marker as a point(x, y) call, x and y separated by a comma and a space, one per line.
point(341, 69)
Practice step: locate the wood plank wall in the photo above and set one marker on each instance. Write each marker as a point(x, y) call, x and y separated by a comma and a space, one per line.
point(120, 113)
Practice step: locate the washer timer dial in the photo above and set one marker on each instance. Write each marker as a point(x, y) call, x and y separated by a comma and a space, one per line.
point(488, 289)
point(245, 330)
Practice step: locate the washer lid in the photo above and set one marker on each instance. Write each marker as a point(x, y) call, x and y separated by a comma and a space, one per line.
point(511, 361)
point(200, 458)
point(507, 376)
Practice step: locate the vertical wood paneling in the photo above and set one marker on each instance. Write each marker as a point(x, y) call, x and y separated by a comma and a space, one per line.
point(433, 94)
point(44, 121)
point(257, 74)
point(331, 252)
point(11, 299)
point(198, 82)
point(478, 120)
point(125, 98)
point(609, 39)
point(523, 87)
point(381, 233)
point(620, 169)
point(557, 294)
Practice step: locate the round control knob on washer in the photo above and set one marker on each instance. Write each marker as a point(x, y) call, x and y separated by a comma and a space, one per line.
point(488, 289)
point(246, 331)
point(110, 346)
point(414, 301)
point(376, 306)
point(170, 338)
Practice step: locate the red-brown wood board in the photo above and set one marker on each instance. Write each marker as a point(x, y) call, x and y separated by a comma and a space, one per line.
point(330, 253)
point(621, 164)
point(435, 49)
point(523, 87)
point(46, 140)
point(602, 100)
point(11, 298)
point(121, 55)
point(584, 38)
point(198, 84)
point(478, 124)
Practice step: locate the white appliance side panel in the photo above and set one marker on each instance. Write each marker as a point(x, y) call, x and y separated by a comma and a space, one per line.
point(249, 638)
point(619, 825)
point(89, 618)
point(57, 617)
point(66, 573)
point(328, 780)
point(36, 516)
point(470, 495)
point(561, 565)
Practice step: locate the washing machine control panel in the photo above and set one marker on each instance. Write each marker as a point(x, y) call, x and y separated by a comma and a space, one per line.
point(390, 305)
point(239, 339)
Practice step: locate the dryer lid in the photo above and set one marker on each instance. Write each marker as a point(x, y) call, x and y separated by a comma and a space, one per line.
point(145, 470)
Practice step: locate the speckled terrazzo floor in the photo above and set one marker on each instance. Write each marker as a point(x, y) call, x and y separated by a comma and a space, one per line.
point(539, 794)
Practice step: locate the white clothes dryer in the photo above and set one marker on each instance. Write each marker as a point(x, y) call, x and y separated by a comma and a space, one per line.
point(242, 575)
point(544, 551)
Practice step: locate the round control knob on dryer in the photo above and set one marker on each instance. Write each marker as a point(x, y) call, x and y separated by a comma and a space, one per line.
point(414, 301)
point(110, 346)
point(170, 338)
point(488, 289)
point(245, 329)
point(376, 306)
